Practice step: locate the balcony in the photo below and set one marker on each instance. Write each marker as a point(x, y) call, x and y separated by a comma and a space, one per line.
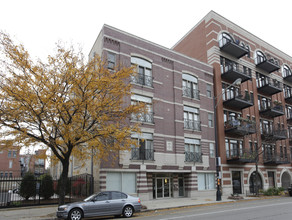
point(193, 157)
point(143, 80)
point(273, 111)
point(288, 78)
point(268, 86)
point(233, 48)
point(288, 96)
point(192, 125)
point(268, 65)
point(239, 127)
point(237, 100)
point(271, 159)
point(240, 156)
point(143, 117)
point(269, 135)
point(191, 93)
point(140, 153)
point(232, 71)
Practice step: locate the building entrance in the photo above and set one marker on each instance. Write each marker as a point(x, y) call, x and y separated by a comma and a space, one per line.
point(162, 187)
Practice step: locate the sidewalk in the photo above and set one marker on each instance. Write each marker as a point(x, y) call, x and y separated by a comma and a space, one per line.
point(49, 212)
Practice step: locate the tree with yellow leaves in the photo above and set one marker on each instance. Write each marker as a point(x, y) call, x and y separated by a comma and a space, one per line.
point(66, 104)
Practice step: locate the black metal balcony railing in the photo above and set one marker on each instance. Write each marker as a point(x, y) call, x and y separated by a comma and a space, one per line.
point(275, 159)
point(193, 125)
point(139, 153)
point(271, 135)
point(288, 95)
point(269, 86)
point(241, 156)
point(232, 71)
point(268, 65)
point(191, 93)
point(193, 157)
point(240, 127)
point(233, 48)
point(271, 110)
point(238, 100)
point(288, 77)
point(142, 79)
point(143, 117)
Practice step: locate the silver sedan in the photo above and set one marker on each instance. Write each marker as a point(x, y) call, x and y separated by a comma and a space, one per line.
point(101, 204)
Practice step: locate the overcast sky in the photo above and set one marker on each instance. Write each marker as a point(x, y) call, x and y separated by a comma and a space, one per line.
point(39, 24)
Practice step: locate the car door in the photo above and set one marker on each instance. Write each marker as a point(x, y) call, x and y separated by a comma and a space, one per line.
point(98, 206)
point(117, 202)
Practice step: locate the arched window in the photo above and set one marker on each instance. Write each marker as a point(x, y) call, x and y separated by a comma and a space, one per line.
point(224, 38)
point(144, 71)
point(286, 71)
point(259, 57)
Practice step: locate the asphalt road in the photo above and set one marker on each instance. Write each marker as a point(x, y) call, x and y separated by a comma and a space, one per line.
point(268, 209)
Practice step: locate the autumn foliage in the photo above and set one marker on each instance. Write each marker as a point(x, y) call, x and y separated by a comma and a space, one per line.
point(67, 104)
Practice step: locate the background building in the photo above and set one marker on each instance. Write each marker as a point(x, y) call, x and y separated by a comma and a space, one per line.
point(176, 156)
point(10, 163)
point(255, 117)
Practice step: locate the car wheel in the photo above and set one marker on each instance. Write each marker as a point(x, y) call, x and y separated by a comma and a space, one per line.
point(128, 211)
point(75, 214)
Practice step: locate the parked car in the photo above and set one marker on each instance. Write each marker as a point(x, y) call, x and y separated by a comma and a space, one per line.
point(102, 204)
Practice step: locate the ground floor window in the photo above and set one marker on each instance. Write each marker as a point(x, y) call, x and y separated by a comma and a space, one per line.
point(206, 181)
point(125, 182)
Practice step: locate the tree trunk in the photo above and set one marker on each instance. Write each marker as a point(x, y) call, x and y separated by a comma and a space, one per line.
point(63, 182)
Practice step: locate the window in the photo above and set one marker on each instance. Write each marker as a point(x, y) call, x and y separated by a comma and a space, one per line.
point(209, 90)
point(260, 57)
point(212, 150)
point(144, 71)
point(144, 147)
point(9, 154)
point(119, 195)
point(111, 61)
point(190, 86)
point(224, 38)
point(234, 148)
point(148, 115)
point(192, 118)
point(125, 182)
point(10, 164)
point(14, 154)
point(10, 175)
point(286, 71)
point(206, 181)
point(264, 103)
point(210, 120)
point(287, 91)
point(193, 151)
point(6, 175)
point(1, 175)
point(102, 196)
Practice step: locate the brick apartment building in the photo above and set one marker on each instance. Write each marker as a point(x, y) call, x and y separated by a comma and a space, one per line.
point(253, 118)
point(10, 163)
point(176, 157)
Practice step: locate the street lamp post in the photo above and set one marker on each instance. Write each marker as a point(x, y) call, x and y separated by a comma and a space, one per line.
point(218, 159)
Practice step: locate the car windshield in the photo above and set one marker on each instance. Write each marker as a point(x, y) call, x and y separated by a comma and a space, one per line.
point(89, 198)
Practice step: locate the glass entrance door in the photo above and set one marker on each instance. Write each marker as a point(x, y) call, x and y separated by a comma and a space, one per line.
point(162, 188)
point(236, 182)
point(181, 188)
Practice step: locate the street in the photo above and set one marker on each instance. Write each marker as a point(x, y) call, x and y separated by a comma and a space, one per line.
point(268, 209)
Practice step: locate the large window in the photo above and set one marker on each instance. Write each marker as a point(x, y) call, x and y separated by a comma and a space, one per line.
point(193, 151)
point(144, 71)
point(143, 150)
point(286, 71)
point(125, 182)
point(206, 181)
point(234, 148)
point(143, 116)
point(111, 60)
point(190, 86)
point(192, 118)
point(264, 103)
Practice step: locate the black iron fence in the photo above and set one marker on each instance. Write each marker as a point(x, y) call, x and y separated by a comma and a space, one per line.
point(78, 188)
